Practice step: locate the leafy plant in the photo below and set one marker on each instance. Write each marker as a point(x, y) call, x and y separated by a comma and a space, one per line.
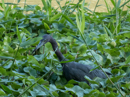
point(89, 37)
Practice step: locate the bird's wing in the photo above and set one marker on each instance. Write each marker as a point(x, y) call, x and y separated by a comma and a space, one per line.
point(85, 69)
point(94, 73)
point(77, 74)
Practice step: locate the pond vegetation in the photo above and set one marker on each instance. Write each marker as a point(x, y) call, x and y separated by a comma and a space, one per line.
point(98, 39)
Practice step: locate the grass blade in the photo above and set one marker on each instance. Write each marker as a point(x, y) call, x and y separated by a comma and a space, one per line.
point(77, 21)
point(18, 1)
point(44, 4)
point(107, 6)
point(118, 3)
point(83, 20)
point(3, 5)
point(112, 1)
point(18, 33)
point(68, 19)
point(108, 31)
point(55, 17)
point(125, 3)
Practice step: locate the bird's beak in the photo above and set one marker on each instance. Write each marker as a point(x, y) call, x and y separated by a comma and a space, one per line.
point(38, 46)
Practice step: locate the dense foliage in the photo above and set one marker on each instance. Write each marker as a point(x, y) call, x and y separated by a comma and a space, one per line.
point(85, 36)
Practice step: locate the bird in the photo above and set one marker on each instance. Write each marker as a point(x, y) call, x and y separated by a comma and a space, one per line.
point(71, 70)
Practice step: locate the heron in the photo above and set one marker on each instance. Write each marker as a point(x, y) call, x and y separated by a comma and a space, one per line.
point(71, 70)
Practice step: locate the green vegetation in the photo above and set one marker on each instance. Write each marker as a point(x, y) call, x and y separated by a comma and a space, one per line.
point(85, 36)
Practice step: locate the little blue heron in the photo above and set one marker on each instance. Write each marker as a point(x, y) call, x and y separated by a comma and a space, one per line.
point(71, 70)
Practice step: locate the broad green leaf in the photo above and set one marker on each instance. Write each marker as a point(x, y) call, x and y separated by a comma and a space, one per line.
point(32, 60)
point(98, 58)
point(65, 95)
point(110, 58)
point(36, 21)
point(100, 47)
point(6, 41)
point(58, 26)
point(30, 41)
point(31, 78)
point(124, 41)
point(3, 71)
point(39, 57)
point(5, 88)
point(77, 90)
point(101, 94)
point(2, 93)
point(19, 75)
point(53, 88)
point(7, 21)
point(25, 31)
point(111, 94)
point(31, 71)
point(82, 49)
point(71, 82)
point(37, 91)
point(9, 53)
point(38, 7)
point(127, 60)
point(84, 85)
point(113, 52)
point(55, 94)
point(6, 57)
point(8, 65)
point(90, 81)
point(65, 39)
point(127, 85)
point(115, 79)
point(127, 35)
point(46, 26)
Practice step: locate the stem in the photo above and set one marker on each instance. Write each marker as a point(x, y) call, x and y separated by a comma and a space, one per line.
point(75, 7)
point(101, 66)
point(16, 53)
point(117, 16)
point(95, 7)
point(96, 59)
point(34, 83)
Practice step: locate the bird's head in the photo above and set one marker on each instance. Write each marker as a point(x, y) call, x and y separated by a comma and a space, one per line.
point(46, 38)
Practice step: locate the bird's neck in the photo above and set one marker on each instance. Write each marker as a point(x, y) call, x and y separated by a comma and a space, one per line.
point(56, 49)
